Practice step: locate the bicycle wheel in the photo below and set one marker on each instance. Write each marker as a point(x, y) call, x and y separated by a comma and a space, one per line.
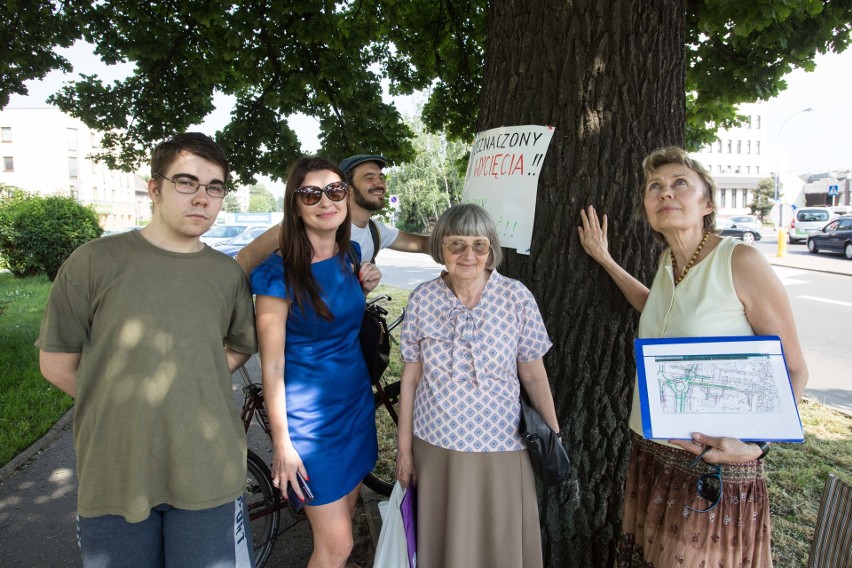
point(260, 496)
point(383, 476)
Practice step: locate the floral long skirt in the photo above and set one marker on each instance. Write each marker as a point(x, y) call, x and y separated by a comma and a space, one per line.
point(658, 531)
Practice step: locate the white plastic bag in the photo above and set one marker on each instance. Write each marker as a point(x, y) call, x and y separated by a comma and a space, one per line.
point(392, 549)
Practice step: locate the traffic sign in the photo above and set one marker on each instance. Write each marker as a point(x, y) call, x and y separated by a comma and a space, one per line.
point(393, 200)
point(833, 190)
point(781, 215)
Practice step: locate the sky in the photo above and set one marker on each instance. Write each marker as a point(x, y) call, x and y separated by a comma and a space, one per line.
point(810, 142)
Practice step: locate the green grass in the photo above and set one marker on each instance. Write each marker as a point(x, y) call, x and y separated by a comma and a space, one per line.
point(796, 474)
point(29, 405)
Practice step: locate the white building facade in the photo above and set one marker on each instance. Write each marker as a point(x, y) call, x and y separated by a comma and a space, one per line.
point(45, 151)
point(738, 160)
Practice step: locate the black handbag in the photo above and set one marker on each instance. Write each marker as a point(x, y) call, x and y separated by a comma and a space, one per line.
point(549, 458)
point(374, 336)
point(547, 455)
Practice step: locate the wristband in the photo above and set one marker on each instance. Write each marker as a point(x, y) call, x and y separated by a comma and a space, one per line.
point(764, 449)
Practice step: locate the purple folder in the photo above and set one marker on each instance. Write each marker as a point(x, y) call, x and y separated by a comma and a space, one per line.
point(408, 508)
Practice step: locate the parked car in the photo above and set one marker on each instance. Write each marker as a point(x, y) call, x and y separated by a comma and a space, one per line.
point(834, 237)
point(806, 220)
point(233, 246)
point(220, 233)
point(750, 222)
point(728, 228)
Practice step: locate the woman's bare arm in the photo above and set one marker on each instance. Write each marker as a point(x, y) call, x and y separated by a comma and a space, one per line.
point(595, 243)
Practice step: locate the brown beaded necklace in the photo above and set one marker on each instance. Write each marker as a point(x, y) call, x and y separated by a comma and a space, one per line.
point(691, 263)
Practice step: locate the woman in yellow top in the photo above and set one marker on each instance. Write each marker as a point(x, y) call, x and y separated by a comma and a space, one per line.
point(705, 285)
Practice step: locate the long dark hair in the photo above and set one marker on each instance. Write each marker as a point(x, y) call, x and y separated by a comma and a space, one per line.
point(295, 246)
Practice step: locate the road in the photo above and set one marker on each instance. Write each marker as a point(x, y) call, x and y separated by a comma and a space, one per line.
point(821, 302)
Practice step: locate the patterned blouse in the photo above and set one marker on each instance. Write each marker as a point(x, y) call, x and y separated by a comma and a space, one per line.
point(468, 397)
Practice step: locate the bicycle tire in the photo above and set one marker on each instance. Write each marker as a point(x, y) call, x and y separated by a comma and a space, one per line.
point(260, 494)
point(383, 476)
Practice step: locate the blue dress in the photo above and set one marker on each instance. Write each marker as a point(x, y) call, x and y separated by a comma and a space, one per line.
point(330, 411)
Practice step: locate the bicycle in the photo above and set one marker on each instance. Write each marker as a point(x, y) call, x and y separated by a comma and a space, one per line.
point(264, 501)
point(386, 399)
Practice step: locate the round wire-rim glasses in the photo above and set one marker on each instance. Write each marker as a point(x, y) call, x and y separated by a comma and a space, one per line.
point(311, 194)
point(480, 248)
point(188, 186)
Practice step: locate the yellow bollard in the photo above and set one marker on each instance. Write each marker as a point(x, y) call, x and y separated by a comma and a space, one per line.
point(782, 243)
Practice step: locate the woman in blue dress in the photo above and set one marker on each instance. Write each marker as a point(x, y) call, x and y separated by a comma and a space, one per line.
point(316, 385)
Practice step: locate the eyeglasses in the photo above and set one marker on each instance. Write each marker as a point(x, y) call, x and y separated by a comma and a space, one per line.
point(709, 484)
point(311, 194)
point(189, 186)
point(480, 248)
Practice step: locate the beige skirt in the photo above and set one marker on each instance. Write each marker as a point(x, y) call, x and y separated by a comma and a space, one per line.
point(475, 509)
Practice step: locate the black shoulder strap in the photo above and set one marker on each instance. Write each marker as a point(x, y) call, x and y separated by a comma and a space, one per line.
point(356, 266)
point(374, 232)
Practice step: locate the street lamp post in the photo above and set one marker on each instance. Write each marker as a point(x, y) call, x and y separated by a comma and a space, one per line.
point(782, 234)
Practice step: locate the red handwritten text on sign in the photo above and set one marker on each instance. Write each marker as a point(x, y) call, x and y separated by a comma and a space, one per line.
point(496, 165)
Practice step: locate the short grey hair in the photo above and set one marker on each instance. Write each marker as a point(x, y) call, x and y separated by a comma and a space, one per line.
point(465, 220)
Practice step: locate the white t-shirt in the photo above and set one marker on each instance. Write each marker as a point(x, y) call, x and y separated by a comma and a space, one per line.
point(362, 236)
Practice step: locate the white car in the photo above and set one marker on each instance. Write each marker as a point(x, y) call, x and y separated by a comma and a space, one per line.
point(220, 233)
point(807, 220)
point(750, 222)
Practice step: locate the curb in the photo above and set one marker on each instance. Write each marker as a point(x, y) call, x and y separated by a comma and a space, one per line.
point(371, 501)
point(775, 261)
point(55, 431)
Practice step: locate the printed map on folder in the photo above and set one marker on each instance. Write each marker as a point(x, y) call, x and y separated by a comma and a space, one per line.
point(721, 386)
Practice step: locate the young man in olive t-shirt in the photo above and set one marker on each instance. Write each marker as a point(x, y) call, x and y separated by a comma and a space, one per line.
point(144, 329)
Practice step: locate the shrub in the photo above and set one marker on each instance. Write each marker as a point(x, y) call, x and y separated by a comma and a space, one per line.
point(38, 233)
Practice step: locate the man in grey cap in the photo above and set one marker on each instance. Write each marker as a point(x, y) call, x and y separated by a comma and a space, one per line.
point(364, 173)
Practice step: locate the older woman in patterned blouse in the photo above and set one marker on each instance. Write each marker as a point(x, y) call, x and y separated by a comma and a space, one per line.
point(471, 338)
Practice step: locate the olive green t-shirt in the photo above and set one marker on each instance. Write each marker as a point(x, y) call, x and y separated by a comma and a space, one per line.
point(155, 419)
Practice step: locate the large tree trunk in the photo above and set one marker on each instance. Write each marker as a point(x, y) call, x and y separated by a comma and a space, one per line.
point(609, 76)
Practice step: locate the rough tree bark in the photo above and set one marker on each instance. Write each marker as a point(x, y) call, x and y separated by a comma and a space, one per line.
point(609, 76)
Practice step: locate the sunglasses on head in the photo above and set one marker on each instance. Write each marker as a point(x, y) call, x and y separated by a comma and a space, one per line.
point(709, 485)
point(311, 194)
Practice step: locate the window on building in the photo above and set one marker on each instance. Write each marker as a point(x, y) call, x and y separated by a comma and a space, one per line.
point(93, 139)
point(748, 169)
point(94, 193)
point(737, 170)
point(757, 169)
point(722, 198)
point(72, 167)
point(8, 164)
point(94, 167)
point(72, 191)
point(71, 135)
point(748, 146)
point(748, 122)
point(757, 121)
point(739, 146)
point(745, 199)
point(6, 134)
point(730, 145)
point(757, 146)
point(719, 146)
point(710, 169)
